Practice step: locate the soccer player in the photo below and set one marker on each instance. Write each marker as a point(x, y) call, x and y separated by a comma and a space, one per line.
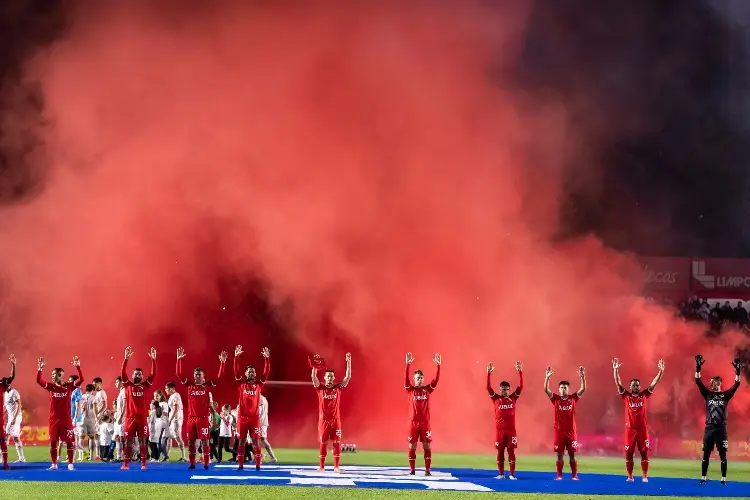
point(176, 417)
point(60, 423)
point(264, 428)
point(505, 420)
point(329, 413)
point(118, 419)
point(12, 400)
point(419, 413)
point(248, 414)
point(566, 437)
point(75, 398)
point(86, 423)
point(717, 400)
point(5, 383)
point(136, 407)
point(636, 428)
point(199, 407)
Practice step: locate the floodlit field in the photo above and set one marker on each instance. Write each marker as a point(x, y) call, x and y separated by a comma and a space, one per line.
point(739, 471)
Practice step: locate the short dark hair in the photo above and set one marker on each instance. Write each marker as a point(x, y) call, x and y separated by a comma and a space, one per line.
point(716, 378)
point(635, 380)
point(330, 370)
point(419, 372)
point(199, 369)
point(138, 369)
point(564, 382)
point(62, 370)
point(249, 366)
point(118, 379)
point(97, 380)
point(170, 385)
point(90, 387)
point(505, 384)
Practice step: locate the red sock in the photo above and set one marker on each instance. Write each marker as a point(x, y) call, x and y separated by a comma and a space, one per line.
point(644, 463)
point(323, 453)
point(574, 468)
point(206, 453)
point(241, 454)
point(501, 462)
point(512, 461)
point(143, 452)
point(191, 453)
point(4, 450)
point(336, 454)
point(427, 460)
point(629, 467)
point(258, 456)
point(71, 452)
point(559, 465)
point(412, 459)
point(53, 445)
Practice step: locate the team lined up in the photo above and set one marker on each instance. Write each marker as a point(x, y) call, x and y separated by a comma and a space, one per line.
point(135, 411)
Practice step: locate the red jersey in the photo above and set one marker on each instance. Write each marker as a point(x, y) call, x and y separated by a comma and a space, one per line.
point(329, 399)
point(199, 401)
point(635, 408)
point(505, 408)
point(249, 392)
point(565, 412)
point(135, 394)
point(59, 396)
point(419, 397)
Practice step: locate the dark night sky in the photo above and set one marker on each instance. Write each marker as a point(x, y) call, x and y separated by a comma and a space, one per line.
point(674, 187)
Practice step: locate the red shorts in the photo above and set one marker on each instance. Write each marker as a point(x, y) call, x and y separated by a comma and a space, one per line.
point(251, 425)
point(135, 427)
point(329, 430)
point(636, 439)
point(61, 430)
point(420, 431)
point(198, 428)
point(505, 438)
point(566, 441)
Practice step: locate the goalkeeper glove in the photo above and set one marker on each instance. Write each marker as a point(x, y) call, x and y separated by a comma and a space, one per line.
point(737, 363)
point(698, 362)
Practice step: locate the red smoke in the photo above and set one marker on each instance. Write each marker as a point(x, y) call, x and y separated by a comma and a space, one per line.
point(365, 165)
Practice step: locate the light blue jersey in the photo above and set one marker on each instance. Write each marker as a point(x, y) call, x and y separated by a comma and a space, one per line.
point(75, 397)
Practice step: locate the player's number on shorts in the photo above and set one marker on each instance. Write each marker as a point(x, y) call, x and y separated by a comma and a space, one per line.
point(338, 432)
point(69, 433)
point(429, 434)
point(257, 431)
point(145, 430)
point(574, 444)
point(725, 444)
point(646, 443)
point(514, 440)
point(204, 432)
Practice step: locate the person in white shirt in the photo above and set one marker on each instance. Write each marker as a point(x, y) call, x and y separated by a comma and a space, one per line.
point(106, 432)
point(225, 431)
point(263, 409)
point(175, 419)
point(161, 398)
point(100, 404)
point(86, 423)
point(119, 418)
point(154, 429)
point(12, 400)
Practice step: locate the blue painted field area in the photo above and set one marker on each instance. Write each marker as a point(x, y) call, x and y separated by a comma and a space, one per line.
point(378, 477)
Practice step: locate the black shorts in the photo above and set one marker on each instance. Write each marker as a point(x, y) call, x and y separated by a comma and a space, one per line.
point(715, 436)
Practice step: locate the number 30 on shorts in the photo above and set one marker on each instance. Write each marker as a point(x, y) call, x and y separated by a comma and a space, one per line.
point(204, 432)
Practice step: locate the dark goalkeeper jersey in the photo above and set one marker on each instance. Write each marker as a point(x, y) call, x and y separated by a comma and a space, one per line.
point(716, 403)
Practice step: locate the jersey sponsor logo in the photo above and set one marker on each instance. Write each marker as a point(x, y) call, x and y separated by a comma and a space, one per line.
point(198, 393)
point(249, 392)
point(138, 394)
point(636, 404)
point(329, 396)
point(566, 408)
point(59, 394)
point(505, 407)
point(420, 397)
point(715, 402)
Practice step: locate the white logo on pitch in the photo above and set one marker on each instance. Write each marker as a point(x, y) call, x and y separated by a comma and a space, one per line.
point(699, 273)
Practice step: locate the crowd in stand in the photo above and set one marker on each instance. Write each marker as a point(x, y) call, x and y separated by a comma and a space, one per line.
point(717, 315)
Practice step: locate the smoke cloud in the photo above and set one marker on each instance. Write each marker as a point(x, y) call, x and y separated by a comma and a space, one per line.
point(378, 172)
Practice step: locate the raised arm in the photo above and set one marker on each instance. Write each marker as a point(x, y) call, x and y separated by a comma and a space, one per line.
point(407, 380)
point(547, 375)
point(658, 377)
point(737, 364)
point(77, 364)
point(266, 352)
point(699, 362)
point(348, 374)
point(178, 370)
point(39, 379)
point(582, 374)
point(12, 376)
point(616, 369)
point(152, 356)
point(236, 365)
point(490, 390)
point(124, 371)
point(519, 369)
point(438, 360)
point(222, 360)
point(315, 381)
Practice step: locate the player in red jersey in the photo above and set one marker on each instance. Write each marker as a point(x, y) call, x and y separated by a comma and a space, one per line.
point(566, 437)
point(329, 414)
point(248, 415)
point(419, 413)
point(199, 407)
point(136, 407)
point(60, 421)
point(636, 427)
point(5, 383)
point(505, 420)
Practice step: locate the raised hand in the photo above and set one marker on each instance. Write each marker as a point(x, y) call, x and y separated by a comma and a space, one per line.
point(519, 366)
point(616, 364)
point(180, 353)
point(409, 358)
point(660, 365)
point(128, 352)
point(152, 353)
point(737, 364)
point(699, 362)
point(238, 350)
point(348, 358)
point(437, 359)
point(13, 359)
point(76, 362)
point(223, 356)
point(581, 371)
point(548, 372)
point(490, 367)
point(266, 352)
point(41, 363)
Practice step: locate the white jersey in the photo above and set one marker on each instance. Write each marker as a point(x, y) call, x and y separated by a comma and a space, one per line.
point(87, 408)
point(120, 404)
point(106, 432)
point(263, 411)
point(12, 399)
point(164, 413)
point(176, 400)
point(226, 427)
point(100, 400)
